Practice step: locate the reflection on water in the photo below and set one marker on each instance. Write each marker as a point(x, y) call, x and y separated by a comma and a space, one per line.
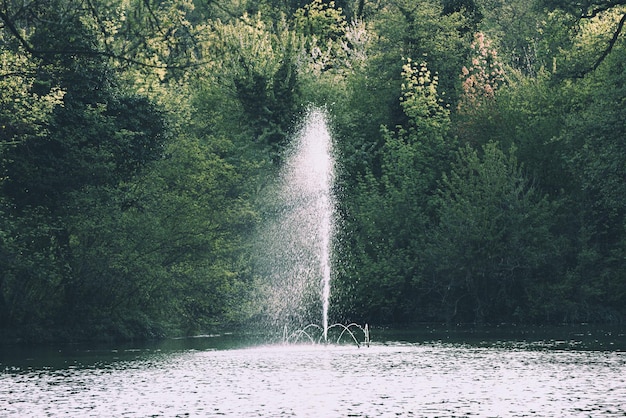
point(394, 378)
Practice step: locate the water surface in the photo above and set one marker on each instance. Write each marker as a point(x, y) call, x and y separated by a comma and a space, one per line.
point(437, 377)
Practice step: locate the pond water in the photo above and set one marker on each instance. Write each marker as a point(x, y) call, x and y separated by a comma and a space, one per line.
point(399, 374)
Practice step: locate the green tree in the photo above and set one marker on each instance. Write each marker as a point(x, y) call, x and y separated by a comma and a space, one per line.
point(168, 242)
point(492, 242)
point(599, 22)
point(150, 34)
point(421, 30)
point(94, 136)
point(257, 67)
point(388, 214)
point(594, 153)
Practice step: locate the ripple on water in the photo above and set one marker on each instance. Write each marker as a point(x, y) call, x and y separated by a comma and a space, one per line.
point(382, 380)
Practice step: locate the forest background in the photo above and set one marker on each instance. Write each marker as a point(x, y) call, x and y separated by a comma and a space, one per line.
point(481, 150)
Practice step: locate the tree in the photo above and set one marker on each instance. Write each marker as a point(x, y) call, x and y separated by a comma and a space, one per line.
point(86, 135)
point(492, 242)
point(594, 11)
point(257, 67)
point(421, 30)
point(482, 77)
point(145, 33)
point(161, 253)
point(593, 154)
point(388, 214)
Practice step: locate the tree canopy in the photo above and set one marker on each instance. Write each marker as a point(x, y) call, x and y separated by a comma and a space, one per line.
point(479, 143)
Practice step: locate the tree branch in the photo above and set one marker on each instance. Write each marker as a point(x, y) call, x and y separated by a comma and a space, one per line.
point(96, 16)
point(16, 33)
point(607, 50)
point(601, 8)
point(86, 52)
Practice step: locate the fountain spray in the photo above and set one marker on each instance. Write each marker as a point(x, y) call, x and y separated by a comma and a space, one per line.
point(297, 243)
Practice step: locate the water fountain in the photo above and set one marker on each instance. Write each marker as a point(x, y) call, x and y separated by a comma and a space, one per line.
point(296, 245)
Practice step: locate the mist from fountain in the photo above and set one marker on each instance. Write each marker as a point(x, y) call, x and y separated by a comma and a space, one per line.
point(295, 247)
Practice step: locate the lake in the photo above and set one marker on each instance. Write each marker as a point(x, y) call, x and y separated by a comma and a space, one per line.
point(423, 373)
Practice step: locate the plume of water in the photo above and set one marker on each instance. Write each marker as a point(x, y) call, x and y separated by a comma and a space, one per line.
point(296, 247)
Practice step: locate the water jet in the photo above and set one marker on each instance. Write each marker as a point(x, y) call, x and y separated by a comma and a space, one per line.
point(296, 245)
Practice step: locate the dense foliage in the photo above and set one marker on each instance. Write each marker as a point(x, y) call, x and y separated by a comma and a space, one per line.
point(481, 156)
